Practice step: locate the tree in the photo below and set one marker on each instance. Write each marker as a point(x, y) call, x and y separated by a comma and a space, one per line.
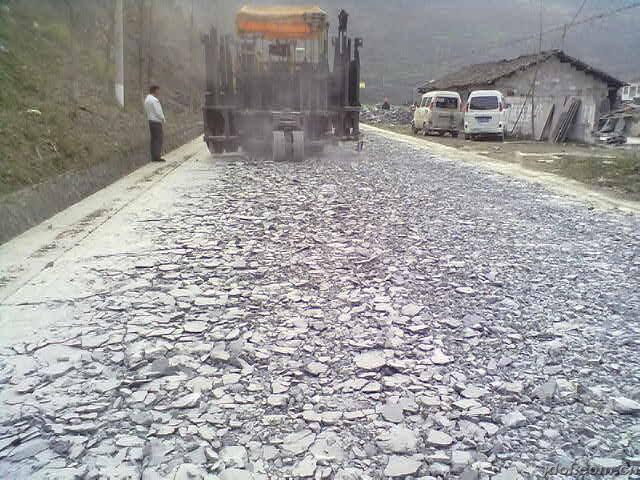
point(104, 31)
point(73, 65)
point(140, 44)
point(191, 65)
point(150, 45)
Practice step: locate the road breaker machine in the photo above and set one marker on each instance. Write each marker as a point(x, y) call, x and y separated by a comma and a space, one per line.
point(271, 91)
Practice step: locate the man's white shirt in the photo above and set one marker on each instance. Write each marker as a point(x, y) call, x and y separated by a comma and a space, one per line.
point(153, 109)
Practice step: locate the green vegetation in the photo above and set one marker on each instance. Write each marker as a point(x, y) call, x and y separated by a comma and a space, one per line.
point(614, 169)
point(621, 173)
point(57, 109)
point(23, 135)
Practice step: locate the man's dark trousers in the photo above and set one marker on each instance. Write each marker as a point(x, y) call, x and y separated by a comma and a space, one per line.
point(155, 128)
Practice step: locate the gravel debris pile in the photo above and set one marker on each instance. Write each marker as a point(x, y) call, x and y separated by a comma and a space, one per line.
point(358, 316)
point(396, 115)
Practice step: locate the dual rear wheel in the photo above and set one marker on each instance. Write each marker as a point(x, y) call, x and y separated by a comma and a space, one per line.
point(285, 146)
point(298, 146)
point(279, 147)
point(217, 148)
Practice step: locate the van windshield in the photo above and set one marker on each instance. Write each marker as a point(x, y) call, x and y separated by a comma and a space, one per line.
point(448, 103)
point(483, 103)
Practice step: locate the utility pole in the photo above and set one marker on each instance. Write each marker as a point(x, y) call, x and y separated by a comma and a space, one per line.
point(541, 7)
point(119, 34)
point(535, 79)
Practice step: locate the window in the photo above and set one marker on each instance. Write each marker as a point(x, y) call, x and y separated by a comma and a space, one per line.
point(447, 103)
point(483, 103)
point(425, 101)
point(634, 92)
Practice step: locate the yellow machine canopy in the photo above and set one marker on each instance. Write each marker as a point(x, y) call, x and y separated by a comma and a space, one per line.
point(274, 23)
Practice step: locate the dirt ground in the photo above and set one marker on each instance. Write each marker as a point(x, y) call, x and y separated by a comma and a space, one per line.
point(614, 169)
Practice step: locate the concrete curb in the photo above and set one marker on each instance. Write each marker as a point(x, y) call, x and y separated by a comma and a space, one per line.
point(24, 257)
point(21, 210)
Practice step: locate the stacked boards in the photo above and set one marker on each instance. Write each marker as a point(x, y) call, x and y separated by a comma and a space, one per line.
point(565, 121)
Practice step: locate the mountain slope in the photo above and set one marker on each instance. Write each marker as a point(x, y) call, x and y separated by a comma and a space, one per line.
point(410, 41)
point(58, 112)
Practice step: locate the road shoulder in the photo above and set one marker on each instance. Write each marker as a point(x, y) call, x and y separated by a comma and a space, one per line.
point(555, 183)
point(25, 256)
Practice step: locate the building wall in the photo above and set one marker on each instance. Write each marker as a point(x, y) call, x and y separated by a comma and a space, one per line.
point(556, 82)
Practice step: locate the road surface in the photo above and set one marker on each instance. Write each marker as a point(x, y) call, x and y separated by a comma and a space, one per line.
point(384, 314)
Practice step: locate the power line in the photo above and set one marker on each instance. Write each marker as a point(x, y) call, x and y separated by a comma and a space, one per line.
point(559, 28)
point(575, 17)
point(578, 12)
point(555, 29)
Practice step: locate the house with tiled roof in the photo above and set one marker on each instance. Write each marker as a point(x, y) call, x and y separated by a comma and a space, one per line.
point(558, 78)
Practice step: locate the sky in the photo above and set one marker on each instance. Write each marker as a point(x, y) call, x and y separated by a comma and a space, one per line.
point(408, 42)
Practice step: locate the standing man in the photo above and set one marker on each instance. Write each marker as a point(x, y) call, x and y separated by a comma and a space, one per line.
point(153, 109)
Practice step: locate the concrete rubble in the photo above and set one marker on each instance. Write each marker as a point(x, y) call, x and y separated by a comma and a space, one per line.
point(619, 127)
point(315, 320)
point(396, 115)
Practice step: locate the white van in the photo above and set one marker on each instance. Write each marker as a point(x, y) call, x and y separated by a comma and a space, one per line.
point(438, 112)
point(484, 114)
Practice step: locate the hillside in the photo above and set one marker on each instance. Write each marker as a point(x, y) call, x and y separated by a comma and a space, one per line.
point(408, 42)
point(56, 74)
point(58, 112)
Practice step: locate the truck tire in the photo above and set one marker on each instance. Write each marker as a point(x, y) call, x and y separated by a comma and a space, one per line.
point(279, 146)
point(215, 148)
point(298, 146)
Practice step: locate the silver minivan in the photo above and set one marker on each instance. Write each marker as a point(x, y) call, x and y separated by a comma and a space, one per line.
point(484, 114)
point(439, 113)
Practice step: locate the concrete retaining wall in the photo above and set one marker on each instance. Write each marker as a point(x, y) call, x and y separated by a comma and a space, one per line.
point(30, 206)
